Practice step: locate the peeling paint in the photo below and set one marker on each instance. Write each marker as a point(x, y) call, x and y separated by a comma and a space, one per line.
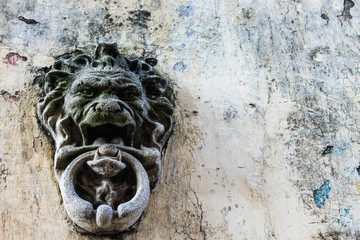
point(346, 16)
point(345, 219)
point(8, 96)
point(322, 194)
point(14, 58)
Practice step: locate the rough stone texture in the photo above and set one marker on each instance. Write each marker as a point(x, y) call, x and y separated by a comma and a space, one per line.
point(265, 142)
point(102, 109)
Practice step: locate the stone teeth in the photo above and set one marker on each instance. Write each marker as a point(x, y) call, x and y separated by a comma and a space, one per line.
point(117, 140)
point(101, 140)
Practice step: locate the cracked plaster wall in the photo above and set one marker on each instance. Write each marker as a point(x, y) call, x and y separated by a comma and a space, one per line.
point(266, 138)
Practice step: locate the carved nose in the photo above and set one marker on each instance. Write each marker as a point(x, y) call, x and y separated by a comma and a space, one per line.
point(108, 105)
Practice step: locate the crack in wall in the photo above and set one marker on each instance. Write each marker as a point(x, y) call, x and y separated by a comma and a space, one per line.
point(198, 205)
point(28, 21)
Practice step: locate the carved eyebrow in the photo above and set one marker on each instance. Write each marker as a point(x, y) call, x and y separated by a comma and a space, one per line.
point(130, 86)
point(95, 75)
point(111, 74)
point(122, 79)
point(85, 84)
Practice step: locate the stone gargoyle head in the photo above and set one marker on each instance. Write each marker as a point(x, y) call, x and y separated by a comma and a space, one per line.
point(110, 118)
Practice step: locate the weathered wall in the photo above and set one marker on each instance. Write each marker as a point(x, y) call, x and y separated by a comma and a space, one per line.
point(267, 106)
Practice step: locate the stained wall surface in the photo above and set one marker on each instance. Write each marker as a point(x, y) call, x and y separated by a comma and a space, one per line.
point(266, 138)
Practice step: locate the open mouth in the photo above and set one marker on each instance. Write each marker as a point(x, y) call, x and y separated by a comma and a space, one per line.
point(109, 133)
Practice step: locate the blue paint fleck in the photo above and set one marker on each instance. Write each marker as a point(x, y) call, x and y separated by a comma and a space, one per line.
point(185, 11)
point(345, 219)
point(322, 194)
point(180, 67)
point(339, 151)
point(353, 173)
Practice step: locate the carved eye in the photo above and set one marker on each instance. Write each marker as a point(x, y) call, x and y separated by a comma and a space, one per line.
point(152, 96)
point(129, 95)
point(87, 93)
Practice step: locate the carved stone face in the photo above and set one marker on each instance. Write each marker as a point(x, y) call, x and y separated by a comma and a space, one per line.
point(110, 118)
point(108, 107)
